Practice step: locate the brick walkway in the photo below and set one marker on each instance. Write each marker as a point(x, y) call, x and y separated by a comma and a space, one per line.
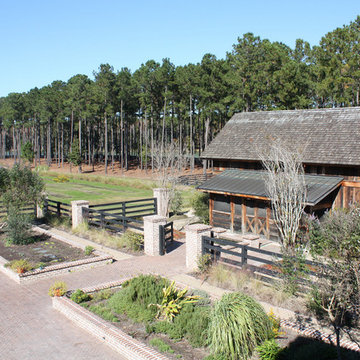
point(32, 329)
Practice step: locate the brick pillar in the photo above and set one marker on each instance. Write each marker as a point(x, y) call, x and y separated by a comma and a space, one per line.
point(151, 234)
point(162, 196)
point(77, 211)
point(194, 245)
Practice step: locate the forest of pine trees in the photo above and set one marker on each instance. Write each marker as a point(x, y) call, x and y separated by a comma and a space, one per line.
point(120, 115)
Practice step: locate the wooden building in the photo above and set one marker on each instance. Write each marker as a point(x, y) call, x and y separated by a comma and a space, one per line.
point(330, 140)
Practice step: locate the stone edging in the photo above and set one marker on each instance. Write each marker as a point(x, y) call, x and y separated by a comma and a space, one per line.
point(319, 335)
point(57, 269)
point(119, 341)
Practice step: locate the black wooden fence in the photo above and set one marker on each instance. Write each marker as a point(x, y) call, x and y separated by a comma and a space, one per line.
point(166, 235)
point(239, 255)
point(131, 208)
point(57, 208)
point(29, 209)
point(120, 216)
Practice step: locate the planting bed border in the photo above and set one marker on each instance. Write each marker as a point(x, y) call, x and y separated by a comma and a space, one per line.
point(57, 269)
point(118, 340)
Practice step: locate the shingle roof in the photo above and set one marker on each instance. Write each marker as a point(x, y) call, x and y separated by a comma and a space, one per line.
point(330, 136)
point(252, 183)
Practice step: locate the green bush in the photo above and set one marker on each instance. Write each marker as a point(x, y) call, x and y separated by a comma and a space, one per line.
point(161, 345)
point(27, 151)
point(104, 312)
point(17, 229)
point(102, 295)
point(200, 204)
point(133, 241)
point(203, 263)
point(237, 325)
point(191, 323)
point(88, 250)
point(20, 266)
point(176, 202)
point(79, 296)
point(136, 296)
point(19, 186)
point(269, 350)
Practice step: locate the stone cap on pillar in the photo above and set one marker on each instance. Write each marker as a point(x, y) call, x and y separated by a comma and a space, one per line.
point(154, 218)
point(197, 228)
point(80, 202)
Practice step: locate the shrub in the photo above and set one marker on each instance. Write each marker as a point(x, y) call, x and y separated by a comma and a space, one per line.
point(19, 186)
point(204, 262)
point(102, 295)
point(275, 324)
point(80, 296)
point(133, 241)
point(20, 266)
point(61, 179)
point(191, 323)
point(176, 202)
point(27, 151)
point(204, 298)
point(17, 229)
point(104, 312)
point(200, 204)
point(136, 295)
point(269, 350)
point(173, 301)
point(161, 345)
point(88, 250)
point(58, 289)
point(237, 325)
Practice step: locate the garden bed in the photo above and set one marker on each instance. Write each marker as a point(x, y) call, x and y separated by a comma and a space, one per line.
point(133, 338)
point(46, 256)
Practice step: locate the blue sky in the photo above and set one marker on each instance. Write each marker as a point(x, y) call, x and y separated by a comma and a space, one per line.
point(42, 41)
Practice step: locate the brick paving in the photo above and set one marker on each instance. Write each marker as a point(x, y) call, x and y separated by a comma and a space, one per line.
point(31, 329)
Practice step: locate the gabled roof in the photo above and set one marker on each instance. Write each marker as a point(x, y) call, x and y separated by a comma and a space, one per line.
point(252, 183)
point(329, 136)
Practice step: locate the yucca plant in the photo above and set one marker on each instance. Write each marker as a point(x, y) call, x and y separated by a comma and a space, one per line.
point(237, 325)
point(173, 301)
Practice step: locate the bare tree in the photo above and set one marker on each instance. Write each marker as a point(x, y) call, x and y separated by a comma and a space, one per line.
point(169, 161)
point(285, 184)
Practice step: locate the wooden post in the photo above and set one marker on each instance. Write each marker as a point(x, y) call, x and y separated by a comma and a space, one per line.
point(243, 217)
point(232, 209)
point(102, 220)
point(256, 220)
point(243, 255)
point(58, 209)
point(211, 208)
point(124, 216)
point(268, 215)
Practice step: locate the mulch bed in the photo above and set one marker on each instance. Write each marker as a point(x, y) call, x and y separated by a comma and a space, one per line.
point(43, 249)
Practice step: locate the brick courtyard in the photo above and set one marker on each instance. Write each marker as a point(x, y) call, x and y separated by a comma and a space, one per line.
point(32, 329)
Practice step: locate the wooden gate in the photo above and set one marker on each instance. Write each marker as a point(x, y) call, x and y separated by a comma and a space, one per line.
point(166, 235)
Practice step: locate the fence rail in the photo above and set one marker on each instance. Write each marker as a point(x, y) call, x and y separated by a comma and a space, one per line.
point(57, 207)
point(29, 209)
point(241, 254)
point(119, 216)
point(131, 208)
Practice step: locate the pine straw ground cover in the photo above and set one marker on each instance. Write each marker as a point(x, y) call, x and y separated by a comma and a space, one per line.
point(42, 251)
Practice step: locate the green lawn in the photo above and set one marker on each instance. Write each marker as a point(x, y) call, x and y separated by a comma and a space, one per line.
point(104, 189)
point(97, 191)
